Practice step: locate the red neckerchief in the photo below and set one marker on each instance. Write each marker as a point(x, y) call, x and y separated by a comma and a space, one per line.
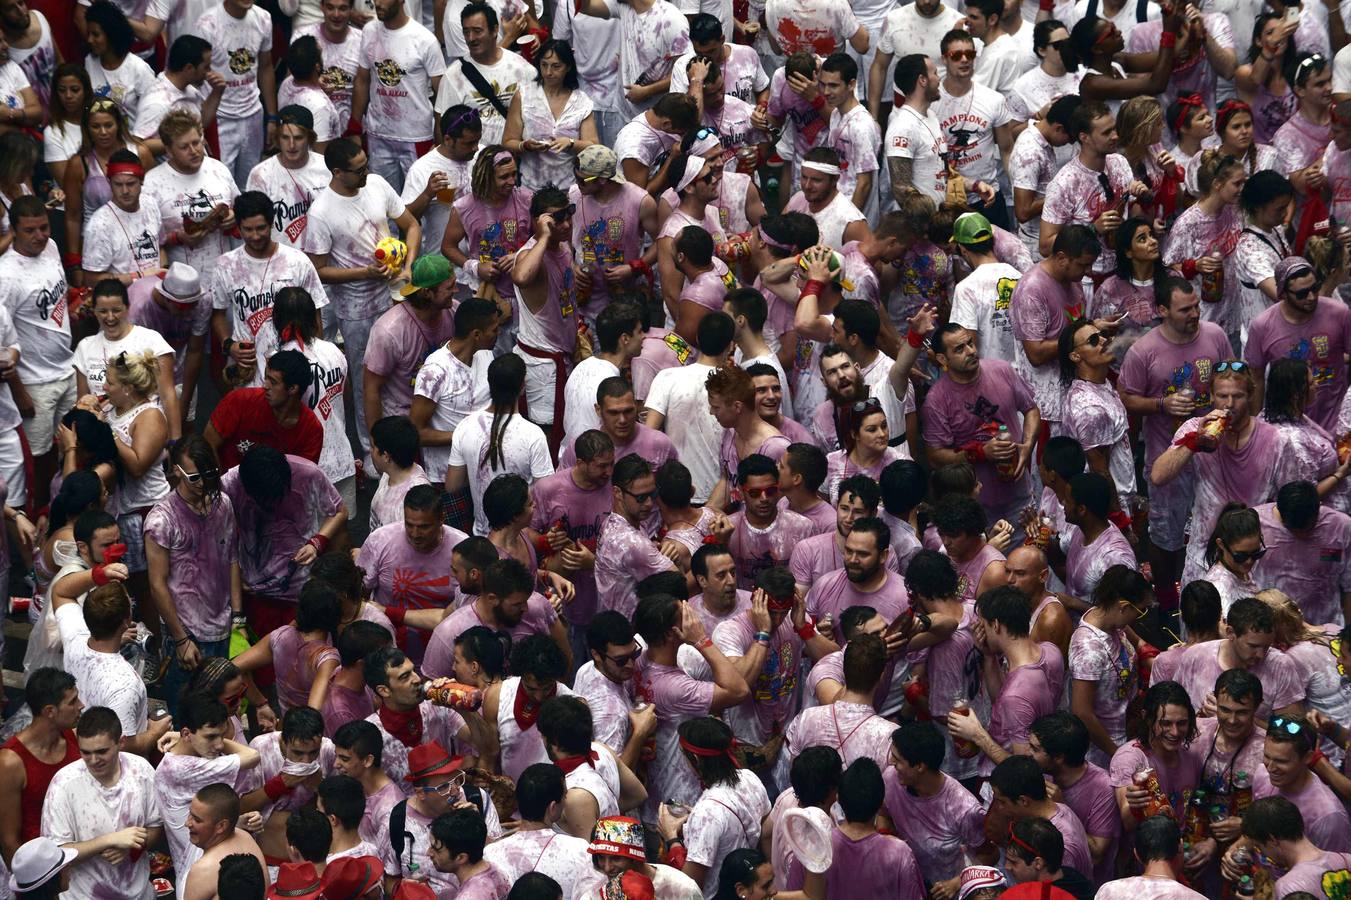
point(406, 726)
point(569, 763)
point(525, 710)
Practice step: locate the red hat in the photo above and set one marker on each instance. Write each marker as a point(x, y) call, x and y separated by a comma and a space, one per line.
point(413, 890)
point(1036, 890)
point(429, 760)
point(618, 836)
point(296, 881)
point(350, 877)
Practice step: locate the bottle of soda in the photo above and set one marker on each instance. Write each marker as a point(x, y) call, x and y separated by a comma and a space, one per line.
point(965, 749)
point(1006, 468)
point(1147, 779)
point(444, 692)
point(1245, 887)
point(1196, 824)
point(1242, 794)
point(1212, 283)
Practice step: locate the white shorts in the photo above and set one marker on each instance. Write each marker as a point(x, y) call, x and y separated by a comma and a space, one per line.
point(11, 469)
point(51, 401)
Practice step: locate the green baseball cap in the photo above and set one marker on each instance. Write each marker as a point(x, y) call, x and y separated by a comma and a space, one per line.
point(971, 228)
point(428, 272)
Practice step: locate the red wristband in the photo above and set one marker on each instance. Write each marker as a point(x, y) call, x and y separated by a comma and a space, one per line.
point(100, 574)
point(675, 856)
point(1120, 519)
point(71, 260)
point(395, 615)
point(813, 287)
point(914, 338)
point(1168, 40)
point(275, 788)
point(974, 450)
point(1187, 440)
point(353, 128)
point(1318, 756)
point(1046, 5)
point(807, 631)
point(704, 644)
point(1189, 268)
point(319, 542)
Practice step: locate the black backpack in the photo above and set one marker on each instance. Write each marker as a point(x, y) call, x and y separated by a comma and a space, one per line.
point(398, 820)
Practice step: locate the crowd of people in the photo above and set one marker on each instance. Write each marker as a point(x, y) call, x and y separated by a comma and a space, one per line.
point(676, 449)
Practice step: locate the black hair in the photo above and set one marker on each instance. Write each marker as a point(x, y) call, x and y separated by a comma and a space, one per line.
point(1094, 492)
point(80, 491)
point(902, 487)
point(458, 119)
point(1075, 241)
point(705, 27)
point(920, 742)
point(842, 63)
point(538, 656)
point(115, 27)
point(1239, 685)
point(861, 790)
point(1263, 187)
point(708, 733)
point(478, 8)
point(654, 618)
point(1273, 819)
point(474, 314)
point(241, 876)
point(377, 666)
point(699, 561)
point(1044, 839)
point(629, 469)
point(608, 628)
point(489, 648)
point(196, 711)
point(669, 581)
point(565, 722)
point(310, 832)
point(295, 317)
point(1017, 777)
point(854, 618)
point(696, 245)
point(675, 485)
point(958, 515)
point(362, 738)
point(508, 577)
point(505, 498)
point(1287, 388)
point(539, 785)
point(302, 723)
point(477, 551)
point(909, 70)
point(750, 303)
point(1122, 582)
point(858, 317)
point(756, 464)
point(461, 831)
point(714, 334)
point(563, 50)
point(344, 799)
point(99, 720)
point(865, 658)
point(535, 886)
point(1160, 695)
point(1062, 734)
point(1201, 607)
point(809, 461)
point(862, 488)
point(360, 639)
point(1293, 503)
point(814, 774)
point(186, 50)
point(931, 575)
point(1064, 456)
point(90, 522)
point(319, 608)
point(614, 321)
point(506, 380)
point(1234, 523)
point(738, 871)
point(397, 436)
point(1006, 605)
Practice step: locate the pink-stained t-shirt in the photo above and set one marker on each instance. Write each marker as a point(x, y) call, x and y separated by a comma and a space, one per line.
point(1039, 309)
point(957, 414)
point(491, 232)
point(625, 555)
point(1177, 779)
point(1326, 690)
point(490, 884)
point(606, 235)
point(726, 817)
point(1282, 680)
point(822, 514)
point(1299, 143)
point(400, 576)
point(652, 445)
point(1094, 415)
point(712, 619)
point(175, 327)
point(774, 446)
point(952, 669)
point(1028, 693)
point(1219, 767)
point(756, 549)
point(1323, 877)
point(399, 343)
point(854, 730)
point(439, 723)
point(707, 289)
point(1086, 564)
point(840, 465)
point(440, 657)
point(938, 827)
point(610, 704)
point(831, 220)
point(1326, 822)
point(677, 697)
point(878, 865)
point(387, 504)
point(1311, 455)
point(297, 660)
point(1094, 802)
point(202, 550)
point(1197, 234)
point(562, 857)
point(343, 705)
point(178, 778)
point(1312, 570)
point(553, 327)
point(821, 554)
point(378, 806)
point(691, 534)
point(1076, 196)
point(1155, 367)
point(970, 572)
point(1077, 854)
point(1322, 342)
point(773, 701)
point(809, 128)
point(269, 538)
point(832, 594)
point(856, 136)
point(269, 748)
point(1108, 661)
point(1140, 887)
point(558, 498)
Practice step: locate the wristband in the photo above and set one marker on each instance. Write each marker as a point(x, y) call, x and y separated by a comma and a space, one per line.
point(762, 637)
point(319, 542)
point(1188, 441)
point(807, 631)
point(100, 574)
point(275, 788)
point(396, 615)
point(271, 118)
point(1189, 268)
point(813, 287)
point(705, 643)
point(1046, 5)
point(1318, 756)
point(71, 260)
point(353, 128)
point(974, 451)
point(675, 855)
point(914, 338)
point(1168, 40)
point(819, 103)
point(1120, 519)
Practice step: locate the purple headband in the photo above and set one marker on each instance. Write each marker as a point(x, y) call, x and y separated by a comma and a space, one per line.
point(502, 157)
point(764, 236)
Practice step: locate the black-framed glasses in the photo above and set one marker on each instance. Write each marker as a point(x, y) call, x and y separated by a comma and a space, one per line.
point(1105, 183)
point(196, 477)
point(1231, 365)
point(641, 498)
point(564, 213)
point(1060, 45)
point(1286, 724)
point(626, 658)
point(712, 177)
point(1246, 556)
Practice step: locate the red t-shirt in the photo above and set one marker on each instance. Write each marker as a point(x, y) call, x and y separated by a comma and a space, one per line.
point(243, 418)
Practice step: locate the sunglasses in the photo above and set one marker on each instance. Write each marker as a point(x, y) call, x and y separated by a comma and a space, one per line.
point(626, 658)
point(706, 132)
point(641, 498)
point(712, 177)
point(1301, 293)
point(196, 477)
point(862, 406)
point(756, 493)
point(1061, 44)
point(1288, 725)
point(1097, 338)
point(565, 213)
point(1247, 556)
point(958, 55)
point(360, 170)
point(1232, 365)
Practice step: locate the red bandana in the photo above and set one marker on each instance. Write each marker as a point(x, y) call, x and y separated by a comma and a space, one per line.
point(525, 710)
point(569, 763)
point(406, 726)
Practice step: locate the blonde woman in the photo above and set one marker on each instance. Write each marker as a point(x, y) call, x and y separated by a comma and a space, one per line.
point(1317, 649)
point(1139, 125)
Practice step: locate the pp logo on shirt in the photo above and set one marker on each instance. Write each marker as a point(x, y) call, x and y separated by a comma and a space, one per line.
point(390, 72)
point(242, 61)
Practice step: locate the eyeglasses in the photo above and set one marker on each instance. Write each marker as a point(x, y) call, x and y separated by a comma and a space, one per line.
point(196, 477)
point(1231, 365)
point(1060, 45)
point(360, 170)
point(1246, 556)
point(641, 498)
point(1097, 338)
point(958, 55)
point(768, 493)
point(626, 658)
point(450, 788)
point(1106, 186)
point(1286, 724)
point(862, 406)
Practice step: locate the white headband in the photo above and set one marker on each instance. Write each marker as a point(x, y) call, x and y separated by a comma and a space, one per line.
point(693, 166)
point(821, 167)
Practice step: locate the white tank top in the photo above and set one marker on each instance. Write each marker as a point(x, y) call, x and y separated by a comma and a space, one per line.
point(600, 780)
point(137, 493)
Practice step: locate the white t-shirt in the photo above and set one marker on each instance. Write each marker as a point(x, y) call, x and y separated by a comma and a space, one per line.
point(457, 390)
point(972, 118)
point(905, 31)
point(821, 27)
point(61, 141)
point(191, 197)
point(92, 353)
point(920, 139)
point(326, 123)
point(125, 85)
point(347, 229)
point(437, 213)
point(236, 45)
point(595, 43)
point(180, 17)
point(831, 220)
point(726, 818)
point(177, 780)
point(743, 74)
point(980, 303)
point(402, 63)
point(33, 289)
point(158, 100)
point(1032, 164)
point(247, 286)
point(525, 451)
point(121, 242)
point(682, 399)
point(999, 64)
point(292, 192)
point(104, 679)
point(651, 42)
point(854, 136)
point(78, 808)
point(12, 83)
point(504, 76)
point(579, 397)
point(1035, 89)
point(324, 396)
point(340, 64)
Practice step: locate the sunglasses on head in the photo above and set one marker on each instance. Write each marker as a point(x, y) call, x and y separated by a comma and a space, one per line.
point(706, 132)
point(1231, 365)
point(766, 492)
point(1286, 724)
point(1246, 556)
point(862, 406)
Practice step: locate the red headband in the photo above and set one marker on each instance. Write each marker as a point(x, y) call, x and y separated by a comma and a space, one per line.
point(1187, 102)
point(709, 752)
point(779, 603)
point(1230, 108)
point(125, 168)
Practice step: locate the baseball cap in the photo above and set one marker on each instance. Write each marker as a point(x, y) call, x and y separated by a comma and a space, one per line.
point(428, 272)
point(295, 114)
point(971, 228)
point(598, 161)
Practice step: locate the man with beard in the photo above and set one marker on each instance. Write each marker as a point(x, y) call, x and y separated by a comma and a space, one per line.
point(612, 217)
point(441, 171)
point(246, 280)
point(1059, 743)
point(506, 602)
point(211, 828)
point(915, 148)
point(837, 218)
point(764, 534)
point(865, 579)
point(822, 553)
point(396, 110)
point(401, 341)
point(844, 385)
point(293, 177)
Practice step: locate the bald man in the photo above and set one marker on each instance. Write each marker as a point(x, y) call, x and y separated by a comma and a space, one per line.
point(1028, 571)
point(211, 827)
